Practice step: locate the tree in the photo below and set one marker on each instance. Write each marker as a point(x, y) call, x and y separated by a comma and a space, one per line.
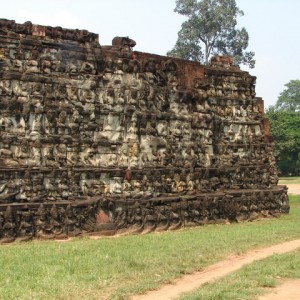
point(284, 119)
point(210, 29)
point(284, 129)
point(289, 99)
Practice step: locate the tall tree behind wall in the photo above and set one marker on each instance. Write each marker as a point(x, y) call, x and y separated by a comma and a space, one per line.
point(210, 29)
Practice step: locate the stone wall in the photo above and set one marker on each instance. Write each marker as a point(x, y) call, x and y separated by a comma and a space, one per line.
point(104, 138)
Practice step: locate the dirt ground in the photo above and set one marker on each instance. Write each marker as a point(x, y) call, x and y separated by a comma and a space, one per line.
point(288, 290)
point(189, 282)
point(294, 189)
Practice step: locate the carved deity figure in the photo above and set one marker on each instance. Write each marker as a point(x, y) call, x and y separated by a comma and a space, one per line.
point(26, 227)
point(116, 186)
point(55, 226)
point(9, 227)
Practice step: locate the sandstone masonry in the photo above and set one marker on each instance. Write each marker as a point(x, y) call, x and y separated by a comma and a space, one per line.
point(107, 139)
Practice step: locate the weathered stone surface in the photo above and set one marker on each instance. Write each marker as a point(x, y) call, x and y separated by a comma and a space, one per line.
point(104, 138)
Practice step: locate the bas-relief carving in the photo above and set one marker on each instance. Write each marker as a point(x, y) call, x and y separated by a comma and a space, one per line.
point(91, 134)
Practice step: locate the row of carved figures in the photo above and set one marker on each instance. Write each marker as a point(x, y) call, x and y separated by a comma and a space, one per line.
point(57, 221)
point(208, 209)
point(53, 221)
point(136, 94)
point(69, 92)
point(48, 187)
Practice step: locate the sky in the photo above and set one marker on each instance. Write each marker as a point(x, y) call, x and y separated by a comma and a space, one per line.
point(273, 27)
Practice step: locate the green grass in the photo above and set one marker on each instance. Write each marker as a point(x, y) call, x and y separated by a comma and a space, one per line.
point(252, 280)
point(118, 267)
point(289, 180)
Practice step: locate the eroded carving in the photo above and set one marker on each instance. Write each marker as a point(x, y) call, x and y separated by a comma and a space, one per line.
point(104, 138)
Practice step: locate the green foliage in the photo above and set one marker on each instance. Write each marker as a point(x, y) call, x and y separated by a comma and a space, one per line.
point(284, 119)
point(113, 268)
point(210, 29)
point(284, 129)
point(289, 99)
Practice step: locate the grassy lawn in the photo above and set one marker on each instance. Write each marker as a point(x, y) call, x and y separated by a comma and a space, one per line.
point(289, 180)
point(118, 267)
point(251, 280)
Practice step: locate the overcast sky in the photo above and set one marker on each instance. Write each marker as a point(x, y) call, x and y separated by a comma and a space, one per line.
point(273, 26)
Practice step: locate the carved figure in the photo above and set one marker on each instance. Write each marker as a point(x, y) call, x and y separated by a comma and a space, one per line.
point(91, 132)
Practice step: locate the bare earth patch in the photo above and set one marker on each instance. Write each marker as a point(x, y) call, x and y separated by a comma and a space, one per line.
point(294, 189)
point(288, 290)
point(190, 282)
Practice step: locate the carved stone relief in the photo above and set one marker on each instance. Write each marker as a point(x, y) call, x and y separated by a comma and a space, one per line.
point(105, 138)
